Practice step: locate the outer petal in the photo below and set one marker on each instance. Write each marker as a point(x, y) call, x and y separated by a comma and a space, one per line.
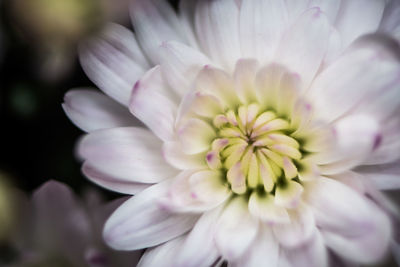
point(151, 225)
point(263, 252)
point(384, 177)
point(155, 22)
point(162, 255)
point(113, 61)
point(305, 44)
point(217, 24)
point(358, 17)
point(358, 231)
point(181, 65)
point(310, 254)
point(262, 23)
point(91, 110)
point(112, 183)
point(365, 77)
point(129, 154)
point(152, 107)
point(236, 229)
point(199, 248)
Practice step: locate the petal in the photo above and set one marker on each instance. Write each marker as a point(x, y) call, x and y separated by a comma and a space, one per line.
point(186, 14)
point(174, 154)
point(264, 208)
point(129, 154)
point(124, 231)
point(356, 137)
point(155, 22)
point(299, 230)
point(311, 254)
point(305, 44)
point(363, 80)
point(263, 252)
point(244, 76)
point(196, 136)
point(236, 229)
point(330, 8)
point(199, 248)
point(91, 110)
point(384, 177)
point(217, 24)
point(152, 107)
point(113, 61)
point(358, 17)
point(112, 183)
point(162, 255)
point(262, 23)
point(288, 195)
point(181, 65)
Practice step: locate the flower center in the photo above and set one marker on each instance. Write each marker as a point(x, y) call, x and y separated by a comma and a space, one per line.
point(255, 148)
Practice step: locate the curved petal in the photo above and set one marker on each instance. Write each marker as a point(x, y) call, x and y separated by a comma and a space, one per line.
point(362, 80)
point(142, 221)
point(236, 229)
point(196, 136)
point(199, 248)
point(112, 183)
point(152, 107)
point(113, 61)
point(384, 177)
point(181, 65)
point(162, 255)
point(263, 252)
point(91, 110)
point(155, 22)
point(129, 154)
point(305, 44)
point(217, 26)
point(358, 17)
point(174, 154)
point(262, 23)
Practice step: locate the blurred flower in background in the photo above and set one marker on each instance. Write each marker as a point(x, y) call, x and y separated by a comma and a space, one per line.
point(54, 28)
point(56, 228)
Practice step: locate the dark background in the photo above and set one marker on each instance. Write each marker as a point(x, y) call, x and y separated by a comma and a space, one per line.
point(37, 139)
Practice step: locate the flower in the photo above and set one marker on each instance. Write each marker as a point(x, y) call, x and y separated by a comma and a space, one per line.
point(55, 228)
point(271, 128)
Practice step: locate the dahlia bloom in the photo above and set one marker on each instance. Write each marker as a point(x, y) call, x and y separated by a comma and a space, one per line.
point(271, 127)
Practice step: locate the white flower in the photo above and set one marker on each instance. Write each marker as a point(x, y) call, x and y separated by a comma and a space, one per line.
point(271, 127)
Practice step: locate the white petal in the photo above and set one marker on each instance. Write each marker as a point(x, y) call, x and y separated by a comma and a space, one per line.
point(356, 137)
point(391, 17)
point(217, 27)
point(155, 22)
point(330, 201)
point(311, 254)
point(162, 255)
point(112, 183)
point(152, 107)
point(295, 8)
point(181, 65)
point(91, 110)
point(264, 208)
point(289, 195)
point(330, 8)
point(299, 230)
point(364, 78)
point(113, 61)
point(186, 15)
point(262, 23)
point(199, 247)
point(358, 17)
point(384, 177)
point(196, 136)
point(142, 221)
point(129, 154)
point(304, 45)
point(236, 229)
point(263, 252)
point(244, 76)
point(174, 154)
